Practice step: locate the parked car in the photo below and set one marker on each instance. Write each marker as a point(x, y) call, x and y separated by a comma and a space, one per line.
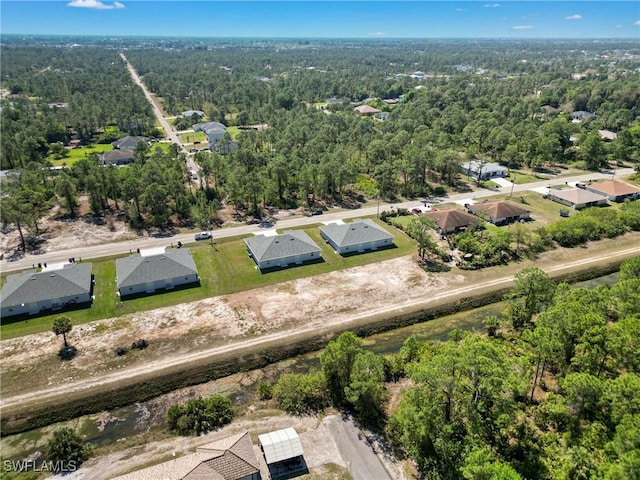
point(203, 236)
point(317, 211)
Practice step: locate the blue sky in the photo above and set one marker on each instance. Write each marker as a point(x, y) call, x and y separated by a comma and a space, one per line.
point(332, 19)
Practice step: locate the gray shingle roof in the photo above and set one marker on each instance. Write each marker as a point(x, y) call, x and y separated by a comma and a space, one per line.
point(136, 270)
point(128, 143)
point(30, 287)
point(355, 233)
point(289, 244)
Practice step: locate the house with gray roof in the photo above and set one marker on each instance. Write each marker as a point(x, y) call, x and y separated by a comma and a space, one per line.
point(127, 143)
point(33, 292)
point(293, 247)
point(356, 237)
point(214, 131)
point(231, 458)
point(190, 113)
point(147, 273)
point(117, 157)
point(479, 169)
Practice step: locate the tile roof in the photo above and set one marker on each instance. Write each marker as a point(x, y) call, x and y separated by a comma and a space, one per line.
point(280, 445)
point(355, 233)
point(230, 458)
point(289, 244)
point(614, 188)
point(500, 209)
point(366, 110)
point(576, 195)
point(451, 219)
point(29, 287)
point(136, 269)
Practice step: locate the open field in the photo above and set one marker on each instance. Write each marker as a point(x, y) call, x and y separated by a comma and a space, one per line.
point(223, 267)
point(76, 154)
point(191, 137)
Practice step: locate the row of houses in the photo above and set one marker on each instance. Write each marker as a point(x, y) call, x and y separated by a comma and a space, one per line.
point(294, 247)
point(233, 458)
point(594, 194)
point(499, 213)
point(65, 285)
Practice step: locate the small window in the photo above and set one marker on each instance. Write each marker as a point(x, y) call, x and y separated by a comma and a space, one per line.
point(130, 288)
point(11, 309)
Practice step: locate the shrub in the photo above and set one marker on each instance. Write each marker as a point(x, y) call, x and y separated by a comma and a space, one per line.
point(200, 415)
point(140, 344)
point(120, 351)
point(301, 393)
point(265, 391)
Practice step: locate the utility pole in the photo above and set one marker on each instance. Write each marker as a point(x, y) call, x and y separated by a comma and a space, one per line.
point(513, 182)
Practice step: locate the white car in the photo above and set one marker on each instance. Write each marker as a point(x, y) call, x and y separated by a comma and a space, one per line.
point(203, 236)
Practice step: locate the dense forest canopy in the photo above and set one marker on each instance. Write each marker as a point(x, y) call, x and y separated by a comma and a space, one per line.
point(446, 101)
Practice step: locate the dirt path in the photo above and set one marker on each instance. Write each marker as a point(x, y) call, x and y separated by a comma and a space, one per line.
point(201, 331)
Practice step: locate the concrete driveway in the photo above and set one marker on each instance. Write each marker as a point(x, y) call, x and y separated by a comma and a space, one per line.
point(356, 452)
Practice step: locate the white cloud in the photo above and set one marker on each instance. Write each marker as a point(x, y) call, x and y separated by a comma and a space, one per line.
point(377, 34)
point(577, 16)
point(522, 27)
point(461, 9)
point(637, 23)
point(491, 5)
point(95, 4)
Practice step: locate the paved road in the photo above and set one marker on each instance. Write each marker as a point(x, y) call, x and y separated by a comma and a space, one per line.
point(357, 454)
point(145, 242)
point(171, 135)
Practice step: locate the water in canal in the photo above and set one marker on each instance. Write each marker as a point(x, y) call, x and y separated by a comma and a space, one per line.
point(126, 422)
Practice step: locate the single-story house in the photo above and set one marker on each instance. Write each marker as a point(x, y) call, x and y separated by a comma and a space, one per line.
point(357, 236)
point(117, 157)
point(214, 131)
point(191, 113)
point(549, 108)
point(231, 458)
point(615, 191)
point(148, 273)
point(366, 110)
point(499, 213)
point(52, 289)
point(452, 220)
point(291, 247)
point(127, 143)
point(607, 135)
point(484, 170)
point(283, 452)
point(577, 198)
point(581, 115)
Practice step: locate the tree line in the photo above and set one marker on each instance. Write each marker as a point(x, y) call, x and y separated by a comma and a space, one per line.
point(549, 392)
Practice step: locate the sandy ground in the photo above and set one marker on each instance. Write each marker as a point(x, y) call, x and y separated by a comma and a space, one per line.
point(214, 322)
point(62, 233)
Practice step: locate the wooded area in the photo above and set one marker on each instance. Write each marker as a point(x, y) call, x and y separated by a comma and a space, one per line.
point(447, 101)
point(548, 393)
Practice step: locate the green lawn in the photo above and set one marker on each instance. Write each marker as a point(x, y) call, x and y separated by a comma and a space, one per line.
point(76, 154)
point(233, 131)
point(224, 267)
point(191, 137)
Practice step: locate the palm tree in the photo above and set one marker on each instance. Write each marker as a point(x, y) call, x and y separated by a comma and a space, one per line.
point(62, 326)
